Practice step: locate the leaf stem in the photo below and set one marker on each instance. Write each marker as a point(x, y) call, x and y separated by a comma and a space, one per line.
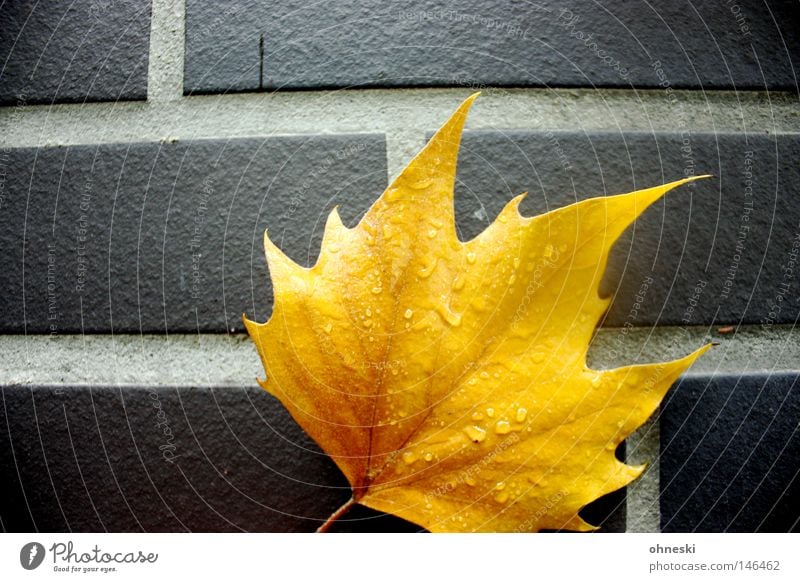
point(336, 515)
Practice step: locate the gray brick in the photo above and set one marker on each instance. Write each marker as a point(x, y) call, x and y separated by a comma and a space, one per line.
point(172, 231)
point(143, 272)
point(689, 237)
point(730, 454)
point(105, 458)
point(99, 459)
point(223, 46)
point(617, 43)
point(86, 50)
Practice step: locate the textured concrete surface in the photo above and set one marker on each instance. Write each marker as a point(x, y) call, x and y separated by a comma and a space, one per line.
point(164, 73)
point(86, 50)
point(642, 505)
point(434, 42)
point(413, 112)
point(154, 237)
point(724, 250)
point(730, 448)
point(223, 46)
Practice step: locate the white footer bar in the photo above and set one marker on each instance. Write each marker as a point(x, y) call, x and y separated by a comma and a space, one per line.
point(401, 557)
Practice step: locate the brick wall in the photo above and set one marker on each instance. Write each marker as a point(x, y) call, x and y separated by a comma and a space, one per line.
point(146, 146)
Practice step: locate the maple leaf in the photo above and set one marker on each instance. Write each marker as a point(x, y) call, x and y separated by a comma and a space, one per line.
point(448, 379)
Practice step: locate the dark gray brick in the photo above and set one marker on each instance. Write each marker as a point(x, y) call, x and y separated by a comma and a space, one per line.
point(615, 43)
point(730, 454)
point(86, 50)
point(99, 459)
point(688, 238)
point(168, 236)
point(173, 230)
point(223, 45)
point(173, 459)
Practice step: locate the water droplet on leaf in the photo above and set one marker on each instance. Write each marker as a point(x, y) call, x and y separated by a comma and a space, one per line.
point(502, 427)
point(475, 433)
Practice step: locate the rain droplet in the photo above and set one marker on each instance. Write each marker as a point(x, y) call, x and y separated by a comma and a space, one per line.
point(490, 412)
point(377, 290)
point(502, 427)
point(429, 457)
point(477, 416)
point(500, 486)
point(485, 375)
point(458, 283)
point(511, 279)
point(469, 480)
point(475, 433)
point(408, 313)
point(409, 457)
point(501, 497)
point(432, 233)
point(328, 327)
point(521, 414)
point(428, 269)
point(471, 258)
point(421, 184)
point(453, 319)
point(368, 312)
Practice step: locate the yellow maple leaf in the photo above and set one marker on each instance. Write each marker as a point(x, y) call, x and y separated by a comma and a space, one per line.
point(448, 379)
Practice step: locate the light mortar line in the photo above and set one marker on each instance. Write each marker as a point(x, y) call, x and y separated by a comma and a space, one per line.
point(401, 147)
point(408, 112)
point(231, 360)
point(642, 511)
point(165, 71)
